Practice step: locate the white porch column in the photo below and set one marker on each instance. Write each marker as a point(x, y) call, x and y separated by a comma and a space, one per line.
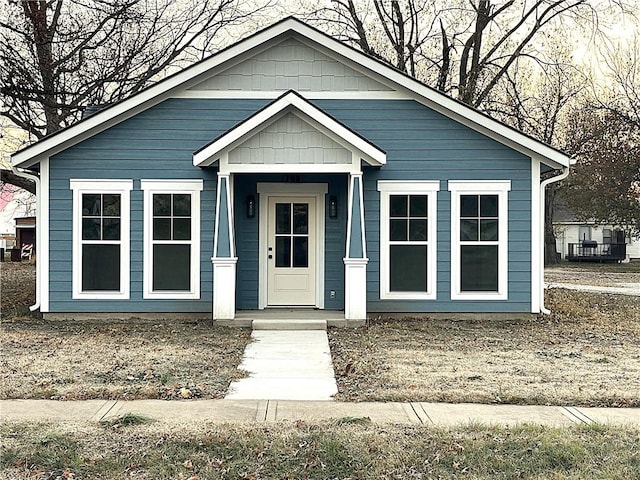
point(355, 262)
point(224, 259)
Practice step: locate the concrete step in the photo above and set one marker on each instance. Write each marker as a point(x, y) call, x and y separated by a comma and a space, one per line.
point(289, 324)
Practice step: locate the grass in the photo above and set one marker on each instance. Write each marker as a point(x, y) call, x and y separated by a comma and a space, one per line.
point(111, 359)
point(586, 353)
point(318, 451)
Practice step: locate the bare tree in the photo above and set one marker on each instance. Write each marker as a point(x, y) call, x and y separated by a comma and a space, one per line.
point(463, 47)
point(58, 56)
point(605, 184)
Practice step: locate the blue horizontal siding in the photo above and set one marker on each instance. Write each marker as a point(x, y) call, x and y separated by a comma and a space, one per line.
point(420, 145)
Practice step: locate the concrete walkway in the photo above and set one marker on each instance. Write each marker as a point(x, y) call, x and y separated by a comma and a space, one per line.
point(250, 411)
point(286, 365)
point(632, 289)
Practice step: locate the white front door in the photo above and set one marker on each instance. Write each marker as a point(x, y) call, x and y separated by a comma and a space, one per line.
point(291, 250)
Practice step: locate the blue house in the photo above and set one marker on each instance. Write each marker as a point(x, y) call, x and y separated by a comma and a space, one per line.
point(289, 170)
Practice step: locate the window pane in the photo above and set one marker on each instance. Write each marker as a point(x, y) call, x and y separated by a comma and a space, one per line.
point(300, 251)
point(283, 251)
point(162, 229)
point(300, 218)
point(172, 267)
point(469, 230)
point(111, 205)
point(488, 205)
point(408, 268)
point(418, 206)
point(418, 230)
point(181, 205)
point(479, 268)
point(398, 205)
point(161, 205)
point(90, 204)
point(468, 205)
point(182, 229)
point(283, 218)
point(91, 228)
point(100, 268)
point(111, 229)
point(397, 230)
point(489, 230)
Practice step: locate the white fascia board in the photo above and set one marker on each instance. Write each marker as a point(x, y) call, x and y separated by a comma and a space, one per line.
point(266, 116)
point(145, 99)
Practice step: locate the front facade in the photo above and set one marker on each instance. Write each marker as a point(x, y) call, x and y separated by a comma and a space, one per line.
point(289, 171)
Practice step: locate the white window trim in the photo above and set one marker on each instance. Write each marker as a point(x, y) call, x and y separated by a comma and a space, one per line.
point(151, 187)
point(480, 187)
point(392, 187)
point(101, 186)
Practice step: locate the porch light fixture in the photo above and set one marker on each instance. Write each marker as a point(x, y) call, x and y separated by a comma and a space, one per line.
point(251, 206)
point(333, 206)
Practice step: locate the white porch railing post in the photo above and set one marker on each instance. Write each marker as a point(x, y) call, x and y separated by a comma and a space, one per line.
point(224, 259)
point(355, 261)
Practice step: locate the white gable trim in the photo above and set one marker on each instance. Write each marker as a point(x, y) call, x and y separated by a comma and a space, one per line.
point(263, 40)
point(290, 102)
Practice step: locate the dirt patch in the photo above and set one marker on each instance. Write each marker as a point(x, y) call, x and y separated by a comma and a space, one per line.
point(111, 359)
point(586, 353)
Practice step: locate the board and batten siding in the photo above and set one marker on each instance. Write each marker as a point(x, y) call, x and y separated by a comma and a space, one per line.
point(420, 145)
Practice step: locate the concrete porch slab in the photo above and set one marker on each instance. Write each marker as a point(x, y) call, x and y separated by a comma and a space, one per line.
point(289, 324)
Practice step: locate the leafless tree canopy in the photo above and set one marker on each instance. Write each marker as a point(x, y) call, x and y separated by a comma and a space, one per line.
point(58, 56)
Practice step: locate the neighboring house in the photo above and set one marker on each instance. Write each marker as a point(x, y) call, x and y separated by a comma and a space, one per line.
point(290, 170)
point(573, 238)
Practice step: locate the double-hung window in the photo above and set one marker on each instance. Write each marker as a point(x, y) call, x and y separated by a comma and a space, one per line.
point(479, 240)
point(408, 239)
point(100, 266)
point(171, 238)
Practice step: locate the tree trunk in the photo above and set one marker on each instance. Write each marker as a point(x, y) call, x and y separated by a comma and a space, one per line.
point(551, 256)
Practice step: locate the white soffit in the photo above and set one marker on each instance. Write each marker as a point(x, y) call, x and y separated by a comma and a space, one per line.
point(290, 101)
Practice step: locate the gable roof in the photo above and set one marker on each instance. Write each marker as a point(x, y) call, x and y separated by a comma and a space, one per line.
point(291, 101)
point(290, 26)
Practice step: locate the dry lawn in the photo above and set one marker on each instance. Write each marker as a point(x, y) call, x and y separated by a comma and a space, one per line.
point(346, 449)
point(111, 359)
point(586, 353)
point(595, 274)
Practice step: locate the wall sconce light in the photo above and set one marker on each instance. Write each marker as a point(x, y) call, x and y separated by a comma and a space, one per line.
point(333, 206)
point(251, 206)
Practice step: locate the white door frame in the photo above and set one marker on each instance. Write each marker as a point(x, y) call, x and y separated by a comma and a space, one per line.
point(266, 190)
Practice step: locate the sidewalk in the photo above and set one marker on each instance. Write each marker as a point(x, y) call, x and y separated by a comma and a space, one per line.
point(243, 411)
point(623, 289)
